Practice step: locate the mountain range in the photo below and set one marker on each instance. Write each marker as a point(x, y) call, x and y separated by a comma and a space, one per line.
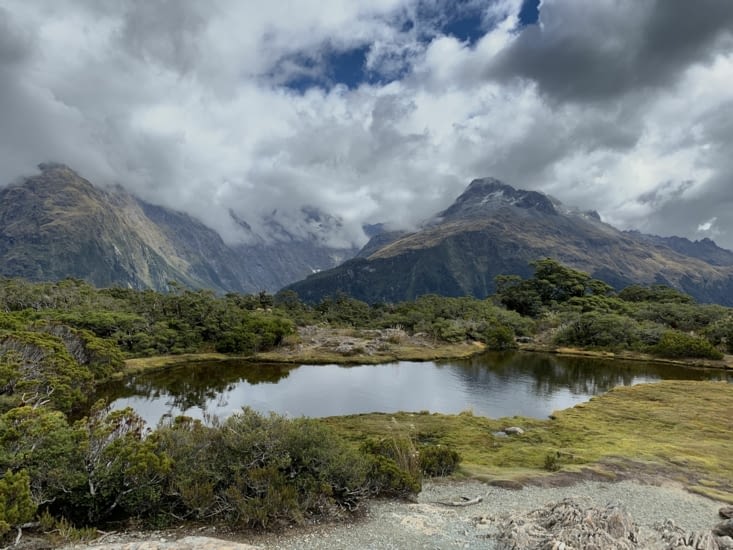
point(57, 224)
point(493, 228)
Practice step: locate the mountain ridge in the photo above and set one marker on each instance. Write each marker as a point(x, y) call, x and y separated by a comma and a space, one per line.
point(57, 224)
point(493, 228)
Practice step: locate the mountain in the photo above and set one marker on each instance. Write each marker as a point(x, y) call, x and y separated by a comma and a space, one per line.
point(57, 224)
point(493, 228)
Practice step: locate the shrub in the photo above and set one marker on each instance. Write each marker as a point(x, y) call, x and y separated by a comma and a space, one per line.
point(16, 505)
point(438, 461)
point(720, 333)
point(552, 462)
point(256, 471)
point(600, 330)
point(498, 338)
point(395, 467)
point(674, 343)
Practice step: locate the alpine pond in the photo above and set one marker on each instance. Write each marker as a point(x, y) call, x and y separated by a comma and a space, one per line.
point(493, 385)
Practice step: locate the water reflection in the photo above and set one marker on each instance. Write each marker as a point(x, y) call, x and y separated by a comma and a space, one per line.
point(492, 385)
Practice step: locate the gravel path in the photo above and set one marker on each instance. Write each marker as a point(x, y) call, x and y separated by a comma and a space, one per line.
point(427, 524)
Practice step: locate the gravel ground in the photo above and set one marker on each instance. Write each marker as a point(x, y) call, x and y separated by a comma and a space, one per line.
point(427, 524)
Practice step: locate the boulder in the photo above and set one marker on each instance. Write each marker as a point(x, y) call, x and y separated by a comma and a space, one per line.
point(513, 430)
point(724, 528)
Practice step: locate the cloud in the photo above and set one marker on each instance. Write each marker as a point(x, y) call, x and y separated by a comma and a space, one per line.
point(622, 107)
point(606, 48)
point(707, 226)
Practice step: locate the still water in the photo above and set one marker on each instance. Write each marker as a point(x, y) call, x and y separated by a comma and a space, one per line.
point(493, 385)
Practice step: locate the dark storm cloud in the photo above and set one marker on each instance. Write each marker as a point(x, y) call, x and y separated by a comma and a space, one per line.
point(15, 42)
point(601, 50)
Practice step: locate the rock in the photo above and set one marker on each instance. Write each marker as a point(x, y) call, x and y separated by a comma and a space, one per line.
point(513, 430)
point(726, 512)
point(568, 524)
point(725, 543)
point(724, 528)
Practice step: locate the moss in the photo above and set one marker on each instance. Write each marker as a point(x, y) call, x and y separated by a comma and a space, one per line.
point(677, 428)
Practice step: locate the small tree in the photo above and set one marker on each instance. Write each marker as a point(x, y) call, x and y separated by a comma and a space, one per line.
point(16, 504)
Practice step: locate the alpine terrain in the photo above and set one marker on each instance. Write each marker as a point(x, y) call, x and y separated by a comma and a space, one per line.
point(494, 229)
point(57, 224)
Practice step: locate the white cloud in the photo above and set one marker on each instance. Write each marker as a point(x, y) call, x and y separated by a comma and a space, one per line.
point(183, 103)
point(707, 226)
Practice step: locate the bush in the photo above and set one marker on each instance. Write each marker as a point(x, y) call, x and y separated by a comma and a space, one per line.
point(552, 462)
point(16, 505)
point(395, 467)
point(674, 343)
point(720, 333)
point(498, 338)
point(438, 461)
point(599, 330)
point(256, 471)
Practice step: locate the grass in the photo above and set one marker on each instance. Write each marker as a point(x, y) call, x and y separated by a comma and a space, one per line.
point(679, 430)
point(140, 364)
point(397, 352)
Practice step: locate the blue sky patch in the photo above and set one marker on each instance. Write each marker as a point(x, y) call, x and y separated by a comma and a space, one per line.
point(529, 14)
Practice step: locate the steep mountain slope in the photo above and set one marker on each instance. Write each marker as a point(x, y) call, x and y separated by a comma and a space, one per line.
point(494, 229)
point(57, 225)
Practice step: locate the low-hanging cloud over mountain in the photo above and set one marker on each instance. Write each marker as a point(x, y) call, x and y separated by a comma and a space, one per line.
point(378, 111)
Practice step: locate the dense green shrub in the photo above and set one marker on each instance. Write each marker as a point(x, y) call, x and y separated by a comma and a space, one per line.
point(36, 368)
point(655, 294)
point(41, 442)
point(16, 505)
point(498, 338)
point(720, 333)
point(257, 471)
point(551, 284)
point(674, 343)
point(680, 316)
point(395, 467)
point(602, 330)
point(438, 461)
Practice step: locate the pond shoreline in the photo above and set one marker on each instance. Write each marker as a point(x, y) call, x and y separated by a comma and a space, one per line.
point(627, 355)
point(415, 350)
point(327, 346)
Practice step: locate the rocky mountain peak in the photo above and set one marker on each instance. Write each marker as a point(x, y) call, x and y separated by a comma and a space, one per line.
point(55, 182)
point(486, 195)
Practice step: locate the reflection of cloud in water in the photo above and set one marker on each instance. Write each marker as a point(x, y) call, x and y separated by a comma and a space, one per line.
point(490, 385)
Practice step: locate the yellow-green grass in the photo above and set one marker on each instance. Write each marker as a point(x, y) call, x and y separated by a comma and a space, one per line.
point(677, 430)
point(140, 364)
point(396, 352)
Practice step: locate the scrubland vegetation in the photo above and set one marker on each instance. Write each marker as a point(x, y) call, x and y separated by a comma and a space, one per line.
point(57, 340)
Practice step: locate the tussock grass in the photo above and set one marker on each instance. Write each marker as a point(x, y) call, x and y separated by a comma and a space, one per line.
point(679, 430)
point(140, 364)
point(398, 352)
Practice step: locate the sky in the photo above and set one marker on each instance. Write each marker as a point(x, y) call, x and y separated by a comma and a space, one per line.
point(380, 110)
